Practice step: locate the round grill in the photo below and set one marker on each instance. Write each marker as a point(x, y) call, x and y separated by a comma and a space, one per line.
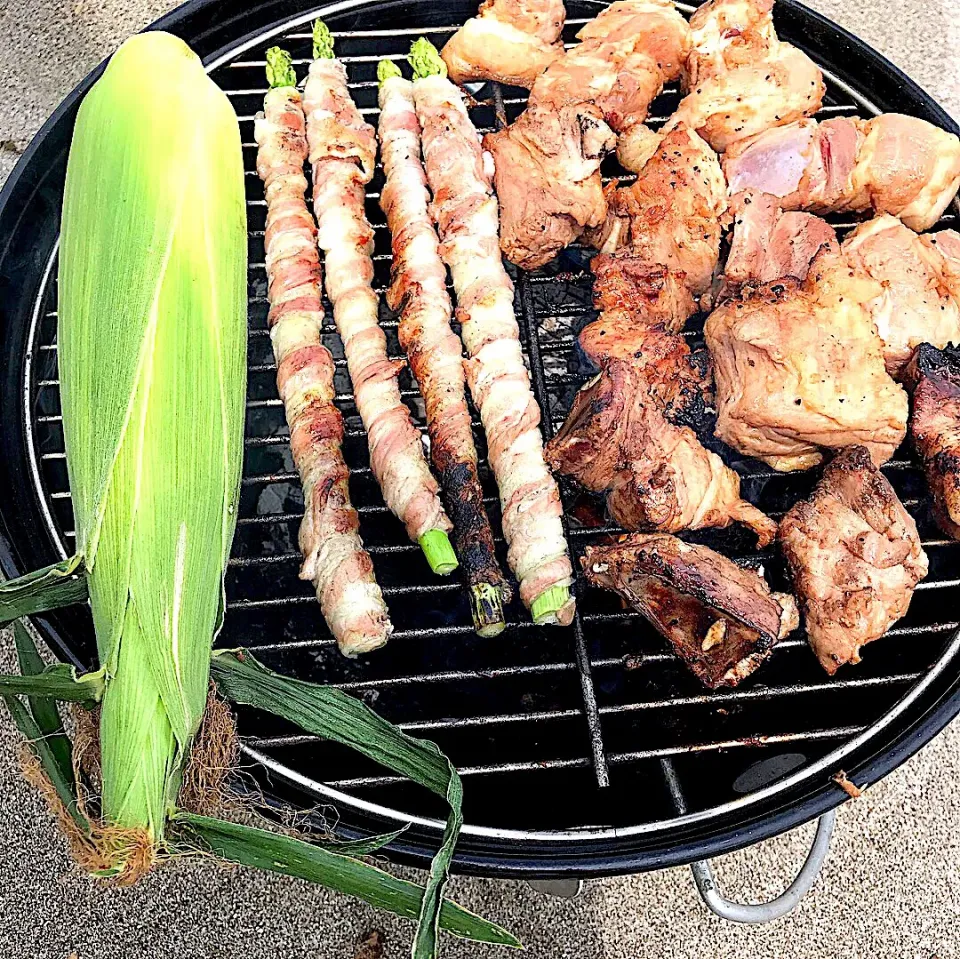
point(565, 737)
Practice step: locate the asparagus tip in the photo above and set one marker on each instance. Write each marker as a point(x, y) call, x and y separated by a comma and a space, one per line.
point(553, 606)
point(386, 69)
point(426, 60)
point(322, 41)
point(486, 605)
point(280, 72)
point(440, 555)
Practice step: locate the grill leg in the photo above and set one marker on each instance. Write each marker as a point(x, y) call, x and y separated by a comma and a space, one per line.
point(786, 902)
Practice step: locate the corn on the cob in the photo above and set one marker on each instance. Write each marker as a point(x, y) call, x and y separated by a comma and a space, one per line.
point(334, 559)
point(152, 341)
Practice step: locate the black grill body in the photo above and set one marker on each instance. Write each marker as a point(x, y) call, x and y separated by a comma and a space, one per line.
point(562, 735)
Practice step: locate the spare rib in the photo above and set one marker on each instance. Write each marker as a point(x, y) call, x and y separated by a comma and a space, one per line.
point(721, 619)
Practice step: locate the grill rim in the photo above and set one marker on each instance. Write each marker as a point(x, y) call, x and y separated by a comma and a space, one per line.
point(933, 701)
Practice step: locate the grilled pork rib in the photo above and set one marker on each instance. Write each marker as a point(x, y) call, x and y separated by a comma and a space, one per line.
point(722, 619)
point(891, 164)
point(855, 557)
point(933, 378)
point(343, 150)
point(334, 559)
point(512, 41)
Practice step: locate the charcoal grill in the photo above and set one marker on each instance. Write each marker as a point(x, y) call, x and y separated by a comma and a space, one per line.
point(586, 751)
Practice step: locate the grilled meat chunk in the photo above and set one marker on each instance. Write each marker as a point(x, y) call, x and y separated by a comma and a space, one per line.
point(933, 377)
point(915, 306)
point(769, 245)
point(799, 368)
point(740, 78)
point(722, 619)
point(547, 174)
point(892, 164)
point(548, 161)
point(670, 216)
point(855, 558)
point(512, 41)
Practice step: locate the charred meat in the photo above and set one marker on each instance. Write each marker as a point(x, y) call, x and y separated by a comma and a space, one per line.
point(855, 558)
point(933, 377)
point(721, 619)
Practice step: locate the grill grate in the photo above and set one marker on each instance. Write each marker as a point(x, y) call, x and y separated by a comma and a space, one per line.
point(556, 729)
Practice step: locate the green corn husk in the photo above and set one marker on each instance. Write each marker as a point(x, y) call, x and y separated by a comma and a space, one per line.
point(152, 342)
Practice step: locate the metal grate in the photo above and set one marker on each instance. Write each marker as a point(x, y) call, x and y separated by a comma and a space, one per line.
point(555, 729)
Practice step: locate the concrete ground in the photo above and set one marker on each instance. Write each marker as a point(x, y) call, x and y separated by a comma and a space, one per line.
point(891, 887)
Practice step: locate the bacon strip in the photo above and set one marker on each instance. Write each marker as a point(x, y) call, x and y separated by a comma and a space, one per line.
point(434, 351)
point(343, 150)
point(334, 559)
point(467, 216)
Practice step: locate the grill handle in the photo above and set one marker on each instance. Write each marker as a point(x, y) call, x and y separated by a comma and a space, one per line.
point(786, 902)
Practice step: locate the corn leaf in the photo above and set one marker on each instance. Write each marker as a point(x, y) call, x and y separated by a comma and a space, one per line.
point(59, 683)
point(335, 715)
point(42, 590)
point(43, 708)
point(40, 745)
point(359, 847)
point(152, 341)
point(293, 857)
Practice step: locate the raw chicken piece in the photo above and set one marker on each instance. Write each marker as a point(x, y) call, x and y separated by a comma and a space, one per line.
point(636, 146)
point(944, 257)
point(512, 41)
point(768, 244)
point(892, 164)
point(933, 377)
point(740, 78)
point(855, 557)
point(548, 179)
point(617, 438)
point(604, 84)
point(915, 306)
point(799, 368)
point(670, 216)
point(722, 619)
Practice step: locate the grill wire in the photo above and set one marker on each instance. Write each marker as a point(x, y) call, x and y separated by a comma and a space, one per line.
point(555, 729)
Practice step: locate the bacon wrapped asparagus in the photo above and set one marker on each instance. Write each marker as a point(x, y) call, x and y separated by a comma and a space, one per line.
point(467, 216)
point(419, 290)
point(334, 559)
point(342, 151)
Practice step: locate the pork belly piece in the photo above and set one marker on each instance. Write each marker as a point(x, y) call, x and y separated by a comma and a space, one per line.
point(799, 368)
point(915, 305)
point(670, 216)
point(658, 476)
point(933, 378)
point(547, 163)
point(768, 244)
point(512, 41)
point(547, 174)
point(740, 78)
point(892, 164)
point(855, 558)
point(721, 619)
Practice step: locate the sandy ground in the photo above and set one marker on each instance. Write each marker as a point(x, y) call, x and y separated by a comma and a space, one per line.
point(891, 887)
